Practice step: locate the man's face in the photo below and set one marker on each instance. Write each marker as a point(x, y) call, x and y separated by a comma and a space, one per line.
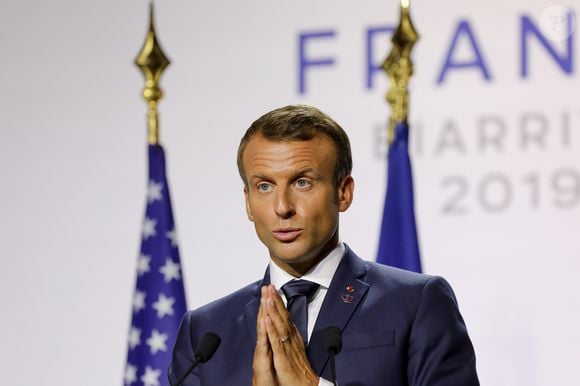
point(292, 200)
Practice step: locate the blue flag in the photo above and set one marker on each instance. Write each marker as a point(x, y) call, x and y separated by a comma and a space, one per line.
point(398, 244)
point(159, 298)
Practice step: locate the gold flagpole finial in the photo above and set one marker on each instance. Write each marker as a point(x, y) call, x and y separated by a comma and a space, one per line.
point(399, 68)
point(152, 62)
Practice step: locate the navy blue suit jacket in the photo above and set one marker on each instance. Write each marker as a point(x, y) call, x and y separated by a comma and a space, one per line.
point(398, 328)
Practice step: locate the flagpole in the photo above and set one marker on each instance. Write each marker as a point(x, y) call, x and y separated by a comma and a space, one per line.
point(399, 69)
point(398, 240)
point(152, 61)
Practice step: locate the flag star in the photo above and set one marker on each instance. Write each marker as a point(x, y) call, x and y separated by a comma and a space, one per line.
point(156, 342)
point(172, 235)
point(130, 374)
point(164, 306)
point(148, 229)
point(154, 191)
point(170, 271)
point(143, 264)
point(134, 337)
point(138, 301)
point(151, 377)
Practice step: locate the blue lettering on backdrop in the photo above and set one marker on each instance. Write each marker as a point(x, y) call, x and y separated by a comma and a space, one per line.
point(564, 61)
point(560, 50)
point(305, 62)
point(464, 29)
point(372, 66)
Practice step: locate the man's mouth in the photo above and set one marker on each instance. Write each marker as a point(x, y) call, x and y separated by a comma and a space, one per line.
point(287, 234)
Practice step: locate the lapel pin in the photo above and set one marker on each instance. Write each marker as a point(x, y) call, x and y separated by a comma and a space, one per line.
point(346, 298)
point(350, 288)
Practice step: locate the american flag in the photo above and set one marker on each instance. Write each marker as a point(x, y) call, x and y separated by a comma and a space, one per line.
point(159, 298)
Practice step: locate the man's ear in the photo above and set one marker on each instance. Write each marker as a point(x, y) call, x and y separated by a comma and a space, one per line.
point(248, 207)
point(345, 193)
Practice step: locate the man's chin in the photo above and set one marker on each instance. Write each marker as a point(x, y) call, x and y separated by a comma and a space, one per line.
point(289, 254)
point(293, 260)
point(289, 258)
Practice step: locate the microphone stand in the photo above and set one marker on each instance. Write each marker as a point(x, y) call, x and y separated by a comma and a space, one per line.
point(189, 370)
point(333, 367)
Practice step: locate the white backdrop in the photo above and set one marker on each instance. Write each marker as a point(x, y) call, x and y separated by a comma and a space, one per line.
point(497, 165)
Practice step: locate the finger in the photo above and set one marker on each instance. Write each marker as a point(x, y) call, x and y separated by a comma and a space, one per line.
point(263, 363)
point(278, 302)
point(279, 315)
point(298, 343)
point(278, 347)
point(262, 344)
point(260, 328)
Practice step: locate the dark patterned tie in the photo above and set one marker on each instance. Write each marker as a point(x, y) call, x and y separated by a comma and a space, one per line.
point(298, 294)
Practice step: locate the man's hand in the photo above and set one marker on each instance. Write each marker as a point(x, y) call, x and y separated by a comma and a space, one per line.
point(263, 365)
point(280, 357)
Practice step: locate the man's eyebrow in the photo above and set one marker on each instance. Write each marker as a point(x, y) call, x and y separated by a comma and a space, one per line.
point(254, 177)
point(302, 172)
point(293, 176)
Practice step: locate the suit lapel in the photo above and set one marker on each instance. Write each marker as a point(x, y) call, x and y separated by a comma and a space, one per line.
point(342, 299)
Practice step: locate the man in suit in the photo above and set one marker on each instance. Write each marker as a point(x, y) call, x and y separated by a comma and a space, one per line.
point(398, 327)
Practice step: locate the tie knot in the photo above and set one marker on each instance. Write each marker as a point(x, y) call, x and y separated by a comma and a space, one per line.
point(299, 288)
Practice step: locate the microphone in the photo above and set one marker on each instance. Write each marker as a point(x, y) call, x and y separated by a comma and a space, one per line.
point(333, 345)
point(203, 353)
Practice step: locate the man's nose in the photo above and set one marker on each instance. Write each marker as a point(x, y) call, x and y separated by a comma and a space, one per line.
point(284, 204)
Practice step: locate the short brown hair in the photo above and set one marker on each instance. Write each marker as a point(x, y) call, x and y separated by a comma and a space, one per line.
point(300, 123)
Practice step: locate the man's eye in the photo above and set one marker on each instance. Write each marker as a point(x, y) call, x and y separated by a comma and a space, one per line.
point(264, 187)
point(302, 183)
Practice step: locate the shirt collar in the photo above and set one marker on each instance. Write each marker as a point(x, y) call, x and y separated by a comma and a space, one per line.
point(320, 274)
